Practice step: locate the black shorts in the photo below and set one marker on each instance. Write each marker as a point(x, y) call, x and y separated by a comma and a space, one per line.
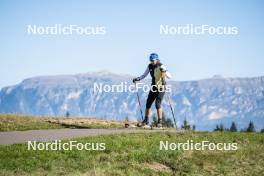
point(155, 95)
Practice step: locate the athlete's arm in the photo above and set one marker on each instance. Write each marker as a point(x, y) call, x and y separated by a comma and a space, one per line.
point(165, 72)
point(144, 74)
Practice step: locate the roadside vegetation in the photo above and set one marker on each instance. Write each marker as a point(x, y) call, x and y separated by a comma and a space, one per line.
point(139, 154)
point(13, 122)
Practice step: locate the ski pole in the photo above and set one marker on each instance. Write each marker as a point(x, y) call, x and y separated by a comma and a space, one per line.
point(172, 111)
point(139, 103)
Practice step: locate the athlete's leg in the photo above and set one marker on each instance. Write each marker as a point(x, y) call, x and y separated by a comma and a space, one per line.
point(158, 105)
point(159, 112)
point(147, 112)
point(150, 100)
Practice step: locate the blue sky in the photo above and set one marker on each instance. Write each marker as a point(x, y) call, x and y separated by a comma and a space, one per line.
point(132, 34)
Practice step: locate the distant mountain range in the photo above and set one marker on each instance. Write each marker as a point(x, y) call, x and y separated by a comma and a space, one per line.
point(203, 102)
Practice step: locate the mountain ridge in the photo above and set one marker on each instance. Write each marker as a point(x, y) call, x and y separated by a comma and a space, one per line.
point(107, 73)
point(203, 102)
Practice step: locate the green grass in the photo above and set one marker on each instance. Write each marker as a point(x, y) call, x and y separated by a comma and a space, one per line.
point(12, 122)
point(139, 154)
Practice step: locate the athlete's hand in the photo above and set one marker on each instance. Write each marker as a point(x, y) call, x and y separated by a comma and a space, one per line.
point(136, 79)
point(163, 74)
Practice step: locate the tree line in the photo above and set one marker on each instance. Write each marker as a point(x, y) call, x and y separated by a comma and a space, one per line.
point(167, 122)
point(233, 128)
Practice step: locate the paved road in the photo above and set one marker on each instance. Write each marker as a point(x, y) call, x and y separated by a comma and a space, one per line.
point(14, 137)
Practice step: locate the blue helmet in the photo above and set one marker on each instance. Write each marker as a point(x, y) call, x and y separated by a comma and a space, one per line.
point(153, 56)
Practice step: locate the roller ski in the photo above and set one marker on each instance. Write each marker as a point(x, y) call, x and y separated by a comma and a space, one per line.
point(144, 124)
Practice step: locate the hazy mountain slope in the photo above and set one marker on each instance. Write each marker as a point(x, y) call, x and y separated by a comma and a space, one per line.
point(203, 102)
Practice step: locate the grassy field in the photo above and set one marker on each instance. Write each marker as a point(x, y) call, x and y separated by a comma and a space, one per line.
point(10, 122)
point(139, 154)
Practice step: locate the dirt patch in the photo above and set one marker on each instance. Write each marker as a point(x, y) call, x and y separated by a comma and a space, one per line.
point(84, 122)
point(157, 167)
